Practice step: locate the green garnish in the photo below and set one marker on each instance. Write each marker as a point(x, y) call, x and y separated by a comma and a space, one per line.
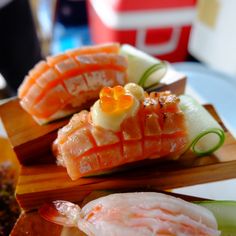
point(225, 214)
point(216, 131)
point(151, 70)
point(205, 135)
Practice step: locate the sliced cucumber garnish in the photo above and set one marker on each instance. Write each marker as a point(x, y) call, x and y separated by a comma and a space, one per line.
point(205, 135)
point(146, 75)
point(225, 214)
point(143, 69)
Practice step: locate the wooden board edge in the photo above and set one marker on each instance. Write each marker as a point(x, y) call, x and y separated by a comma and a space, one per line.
point(161, 180)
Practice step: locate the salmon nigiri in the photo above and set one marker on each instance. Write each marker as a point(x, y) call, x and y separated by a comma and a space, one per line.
point(140, 214)
point(61, 84)
point(125, 125)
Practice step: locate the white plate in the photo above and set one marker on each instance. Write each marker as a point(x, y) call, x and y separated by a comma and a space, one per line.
point(210, 86)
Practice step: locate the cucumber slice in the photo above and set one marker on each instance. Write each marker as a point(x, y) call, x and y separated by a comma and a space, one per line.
point(205, 135)
point(143, 69)
point(147, 80)
point(225, 214)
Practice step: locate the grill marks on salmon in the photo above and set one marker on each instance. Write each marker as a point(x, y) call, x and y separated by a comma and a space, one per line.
point(59, 85)
point(157, 130)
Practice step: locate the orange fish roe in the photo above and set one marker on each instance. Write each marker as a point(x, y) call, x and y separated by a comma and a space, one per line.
point(115, 100)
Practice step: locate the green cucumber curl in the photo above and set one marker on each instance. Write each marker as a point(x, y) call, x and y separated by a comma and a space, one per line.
point(150, 71)
point(216, 131)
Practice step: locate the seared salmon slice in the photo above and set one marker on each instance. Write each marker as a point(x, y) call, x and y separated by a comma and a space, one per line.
point(152, 131)
point(62, 84)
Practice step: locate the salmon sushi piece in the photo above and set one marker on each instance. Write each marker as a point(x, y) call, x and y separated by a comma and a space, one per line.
point(62, 84)
point(139, 213)
point(124, 126)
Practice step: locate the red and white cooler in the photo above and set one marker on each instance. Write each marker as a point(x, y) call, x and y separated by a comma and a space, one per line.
point(158, 27)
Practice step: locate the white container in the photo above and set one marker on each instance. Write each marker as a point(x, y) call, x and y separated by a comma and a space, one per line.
point(213, 36)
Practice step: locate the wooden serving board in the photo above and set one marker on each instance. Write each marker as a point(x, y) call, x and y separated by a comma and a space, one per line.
point(32, 142)
point(38, 184)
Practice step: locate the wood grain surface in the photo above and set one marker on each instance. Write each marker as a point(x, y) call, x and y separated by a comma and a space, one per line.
point(32, 142)
point(32, 224)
